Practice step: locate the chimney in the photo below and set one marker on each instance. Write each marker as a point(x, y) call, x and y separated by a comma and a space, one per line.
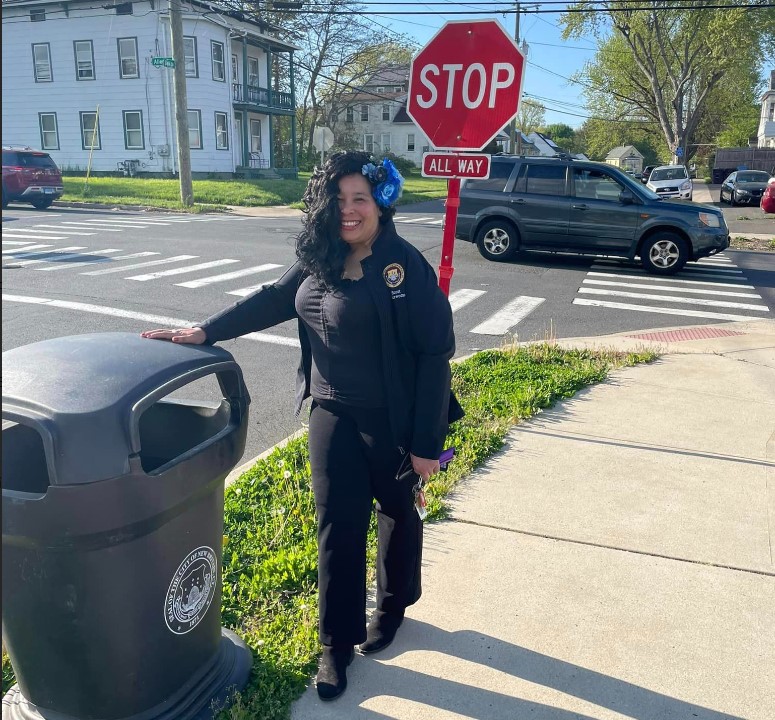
point(772, 79)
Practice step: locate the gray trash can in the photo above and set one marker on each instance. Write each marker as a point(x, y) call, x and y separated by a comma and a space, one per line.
point(113, 528)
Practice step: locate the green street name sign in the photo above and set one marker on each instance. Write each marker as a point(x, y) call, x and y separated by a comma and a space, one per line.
point(162, 62)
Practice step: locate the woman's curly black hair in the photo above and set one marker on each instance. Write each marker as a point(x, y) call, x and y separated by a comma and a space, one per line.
point(319, 247)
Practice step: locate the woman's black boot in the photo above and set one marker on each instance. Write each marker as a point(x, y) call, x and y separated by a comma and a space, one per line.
point(381, 631)
point(331, 679)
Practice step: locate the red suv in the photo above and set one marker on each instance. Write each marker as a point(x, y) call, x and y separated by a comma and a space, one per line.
point(30, 176)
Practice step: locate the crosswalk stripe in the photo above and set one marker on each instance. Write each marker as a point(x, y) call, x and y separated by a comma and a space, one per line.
point(13, 251)
point(38, 257)
point(129, 223)
point(228, 276)
point(70, 266)
point(18, 242)
point(111, 224)
point(435, 222)
point(688, 268)
point(675, 298)
point(672, 279)
point(67, 256)
point(416, 220)
point(703, 272)
point(182, 270)
point(508, 316)
point(461, 298)
point(84, 226)
point(662, 311)
point(131, 315)
point(54, 232)
point(18, 236)
point(124, 268)
point(677, 288)
point(716, 260)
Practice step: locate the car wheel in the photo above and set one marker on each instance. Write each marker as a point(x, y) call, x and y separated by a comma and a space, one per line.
point(42, 204)
point(497, 240)
point(5, 199)
point(664, 253)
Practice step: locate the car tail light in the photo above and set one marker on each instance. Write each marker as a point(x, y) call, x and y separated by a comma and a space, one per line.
point(13, 168)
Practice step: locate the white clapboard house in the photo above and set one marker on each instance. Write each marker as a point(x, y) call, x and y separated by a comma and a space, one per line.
point(88, 83)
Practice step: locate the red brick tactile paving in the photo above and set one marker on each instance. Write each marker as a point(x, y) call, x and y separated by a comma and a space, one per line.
point(696, 333)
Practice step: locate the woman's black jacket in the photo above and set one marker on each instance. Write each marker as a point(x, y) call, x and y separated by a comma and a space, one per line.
point(416, 331)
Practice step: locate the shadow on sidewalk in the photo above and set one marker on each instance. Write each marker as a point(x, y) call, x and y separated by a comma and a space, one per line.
point(457, 696)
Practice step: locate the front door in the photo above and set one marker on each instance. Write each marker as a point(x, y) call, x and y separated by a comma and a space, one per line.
point(239, 146)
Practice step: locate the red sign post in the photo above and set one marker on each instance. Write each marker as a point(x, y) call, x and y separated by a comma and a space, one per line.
point(464, 86)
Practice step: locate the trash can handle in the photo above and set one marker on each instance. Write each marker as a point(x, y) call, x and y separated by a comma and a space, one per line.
point(229, 380)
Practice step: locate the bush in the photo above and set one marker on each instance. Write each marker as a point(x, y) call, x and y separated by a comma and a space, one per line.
point(405, 167)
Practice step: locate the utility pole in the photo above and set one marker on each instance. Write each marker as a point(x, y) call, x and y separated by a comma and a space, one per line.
point(181, 104)
point(513, 142)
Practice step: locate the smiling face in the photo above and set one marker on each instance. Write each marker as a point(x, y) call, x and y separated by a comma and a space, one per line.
point(359, 213)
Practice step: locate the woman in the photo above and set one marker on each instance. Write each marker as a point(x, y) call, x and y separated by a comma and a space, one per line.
point(767, 203)
point(376, 338)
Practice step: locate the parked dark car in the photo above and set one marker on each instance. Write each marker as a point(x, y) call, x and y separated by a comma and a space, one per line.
point(565, 205)
point(644, 176)
point(744, 187)
point(30, 176)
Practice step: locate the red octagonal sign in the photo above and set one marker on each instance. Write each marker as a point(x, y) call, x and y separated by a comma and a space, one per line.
point(465, 84)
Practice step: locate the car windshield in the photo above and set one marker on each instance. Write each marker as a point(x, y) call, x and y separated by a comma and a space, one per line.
point(677, 173)
point(753, 177)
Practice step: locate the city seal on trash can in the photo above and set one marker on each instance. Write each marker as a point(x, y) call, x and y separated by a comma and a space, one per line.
point(191, 591)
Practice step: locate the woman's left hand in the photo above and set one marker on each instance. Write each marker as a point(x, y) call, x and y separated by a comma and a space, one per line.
point(424, 467)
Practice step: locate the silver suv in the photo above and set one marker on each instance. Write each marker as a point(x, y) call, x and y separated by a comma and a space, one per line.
point(565, 205)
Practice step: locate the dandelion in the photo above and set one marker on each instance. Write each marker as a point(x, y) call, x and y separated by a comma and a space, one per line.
point(238, 491)
point(281, 463)
point(260, 643)
point(287, 474)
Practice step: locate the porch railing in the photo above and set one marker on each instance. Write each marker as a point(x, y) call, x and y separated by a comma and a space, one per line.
point(256, 95)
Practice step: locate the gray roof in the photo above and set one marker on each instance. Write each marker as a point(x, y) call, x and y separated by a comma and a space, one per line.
point(624, 151)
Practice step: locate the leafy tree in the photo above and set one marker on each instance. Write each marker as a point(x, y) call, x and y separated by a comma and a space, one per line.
point(661, 66)
point(564, 135)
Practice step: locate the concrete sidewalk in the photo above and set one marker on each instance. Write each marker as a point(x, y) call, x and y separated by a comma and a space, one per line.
point(614, 561)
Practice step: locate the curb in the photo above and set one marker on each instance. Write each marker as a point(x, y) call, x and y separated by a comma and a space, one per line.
point(237, 471)
point(135, 208)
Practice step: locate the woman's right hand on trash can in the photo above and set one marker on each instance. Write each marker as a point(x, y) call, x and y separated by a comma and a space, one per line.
point(191, 336)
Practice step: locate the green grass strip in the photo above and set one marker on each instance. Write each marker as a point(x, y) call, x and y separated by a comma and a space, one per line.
point(270, 554)
point(217, 194)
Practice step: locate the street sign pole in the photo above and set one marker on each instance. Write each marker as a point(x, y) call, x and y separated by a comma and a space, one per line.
point(446, 269)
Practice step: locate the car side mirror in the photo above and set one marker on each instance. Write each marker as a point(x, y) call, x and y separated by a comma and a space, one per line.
point(626, 197)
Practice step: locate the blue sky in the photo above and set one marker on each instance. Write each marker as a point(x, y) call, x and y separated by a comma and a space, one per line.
point(550, 58)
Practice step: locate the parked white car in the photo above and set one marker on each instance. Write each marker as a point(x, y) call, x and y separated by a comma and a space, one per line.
point(671, 181)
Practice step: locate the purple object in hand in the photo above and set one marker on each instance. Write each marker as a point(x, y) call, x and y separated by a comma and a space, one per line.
point(446, 456)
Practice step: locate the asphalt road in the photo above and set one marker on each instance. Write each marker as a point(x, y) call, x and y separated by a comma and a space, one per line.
point(52, 287)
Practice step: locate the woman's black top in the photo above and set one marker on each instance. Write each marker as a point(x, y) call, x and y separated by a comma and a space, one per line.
point(343, 330)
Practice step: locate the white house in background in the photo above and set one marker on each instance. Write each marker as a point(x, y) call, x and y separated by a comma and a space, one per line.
point(79, 81)
point(766, 134)
point(626, 157)
point(373, 117)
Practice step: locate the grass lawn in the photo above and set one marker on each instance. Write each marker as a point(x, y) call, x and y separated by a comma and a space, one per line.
point(270, 556)
point(217, 194)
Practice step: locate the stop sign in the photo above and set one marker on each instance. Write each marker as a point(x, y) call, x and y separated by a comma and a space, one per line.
point(465, 84)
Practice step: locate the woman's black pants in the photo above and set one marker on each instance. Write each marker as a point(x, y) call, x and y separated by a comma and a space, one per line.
point(353, 462)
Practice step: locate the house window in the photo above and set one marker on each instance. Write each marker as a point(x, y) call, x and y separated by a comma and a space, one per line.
point(234, 68)
point(189, 55)
point(219, 68)
point(221, 131)
point(41, 57)
point(124, 9)
point(127, 58)
point(133, 130)
point(90, 131)
point(333, 116)
point(386, 112)
point(348, 116)
point(49, 134)
point(195, 129)
point(772, 112)
point(368, 143)
point(380, 89)
point(37, 15)
point(410, 142)
point(252, 71)
point(364, 113)
point(384, 141)
point(84, 60)
point(398, 88)
point(255, 136)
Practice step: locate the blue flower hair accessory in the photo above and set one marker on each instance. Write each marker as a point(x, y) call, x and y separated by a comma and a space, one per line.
point(387, 181)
